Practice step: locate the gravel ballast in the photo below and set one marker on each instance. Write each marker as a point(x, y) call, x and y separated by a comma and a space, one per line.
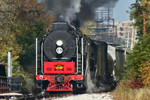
point(93, 96)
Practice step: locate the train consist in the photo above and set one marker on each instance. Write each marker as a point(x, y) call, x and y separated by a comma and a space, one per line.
point(67, 60)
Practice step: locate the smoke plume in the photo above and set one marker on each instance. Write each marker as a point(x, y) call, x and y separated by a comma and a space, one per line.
point(69, 10)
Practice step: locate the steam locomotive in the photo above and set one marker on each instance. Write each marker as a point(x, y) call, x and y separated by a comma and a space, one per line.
point(67, 60)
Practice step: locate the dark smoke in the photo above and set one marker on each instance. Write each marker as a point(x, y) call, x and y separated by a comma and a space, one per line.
point(69, 10)
point(89, 6)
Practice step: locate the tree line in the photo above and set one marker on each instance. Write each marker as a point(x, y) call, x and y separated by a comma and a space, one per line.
point(138, 60)
point(21, 21)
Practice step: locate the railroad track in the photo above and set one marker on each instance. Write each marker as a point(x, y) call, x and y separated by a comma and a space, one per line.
point(47, 96)
point(54, 95)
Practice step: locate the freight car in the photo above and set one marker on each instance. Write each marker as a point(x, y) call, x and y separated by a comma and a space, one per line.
point(67, 60)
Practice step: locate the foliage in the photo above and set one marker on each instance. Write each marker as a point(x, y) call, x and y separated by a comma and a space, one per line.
point(86, 28)
point(8, 44)
point(136, 14)
point(21, 21)
point(8, 41)
point(25, 36)
point(139, 54)
point(136, 84)
point(18, 71)
point(30, 22)
point(140, 14)
point(145, 73)
point(140, 11)
point(28, 85)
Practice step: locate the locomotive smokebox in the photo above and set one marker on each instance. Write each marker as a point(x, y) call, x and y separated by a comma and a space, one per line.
point(60, 45)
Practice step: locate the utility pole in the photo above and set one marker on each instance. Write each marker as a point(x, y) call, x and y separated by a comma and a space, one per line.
point(105, 25)
point(9, 65)
point(144, 2)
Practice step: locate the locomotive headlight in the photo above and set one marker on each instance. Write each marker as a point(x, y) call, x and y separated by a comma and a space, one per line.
point(59, 42)
point(59, 50)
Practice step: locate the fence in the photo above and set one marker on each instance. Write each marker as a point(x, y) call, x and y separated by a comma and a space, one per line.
point(3, 85)
point(14, 84)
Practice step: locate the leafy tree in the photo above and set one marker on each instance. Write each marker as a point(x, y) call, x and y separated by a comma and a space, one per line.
point(140, 12)
point(30, 21)
point(20, 22)
point(139, 54)
point(7, 39)
point(145, 73)
point(138, 59)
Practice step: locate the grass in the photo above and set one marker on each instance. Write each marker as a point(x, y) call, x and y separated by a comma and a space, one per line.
point(124, 92)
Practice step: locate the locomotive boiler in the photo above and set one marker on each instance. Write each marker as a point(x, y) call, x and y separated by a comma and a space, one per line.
point(67, 60)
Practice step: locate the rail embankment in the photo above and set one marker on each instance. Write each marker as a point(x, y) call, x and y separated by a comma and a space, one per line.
point(125, 91)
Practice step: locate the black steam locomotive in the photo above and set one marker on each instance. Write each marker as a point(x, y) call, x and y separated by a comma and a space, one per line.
point(67, 60)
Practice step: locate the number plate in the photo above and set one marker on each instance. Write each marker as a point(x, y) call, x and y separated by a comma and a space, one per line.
point(59, 67)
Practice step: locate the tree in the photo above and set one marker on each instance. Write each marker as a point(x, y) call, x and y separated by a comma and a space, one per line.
point(140, 12)
point(7, 39)
point(20, 22)
point(138, 59)
point(139, 54)
point(30, 21)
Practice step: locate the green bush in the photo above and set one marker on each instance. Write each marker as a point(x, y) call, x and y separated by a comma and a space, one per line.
point(145, 73)
point(136, 58)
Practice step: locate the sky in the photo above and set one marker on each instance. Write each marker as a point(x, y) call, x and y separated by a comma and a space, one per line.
point(119, 12)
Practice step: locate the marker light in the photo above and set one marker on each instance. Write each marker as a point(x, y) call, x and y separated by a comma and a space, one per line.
point(59, 50)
